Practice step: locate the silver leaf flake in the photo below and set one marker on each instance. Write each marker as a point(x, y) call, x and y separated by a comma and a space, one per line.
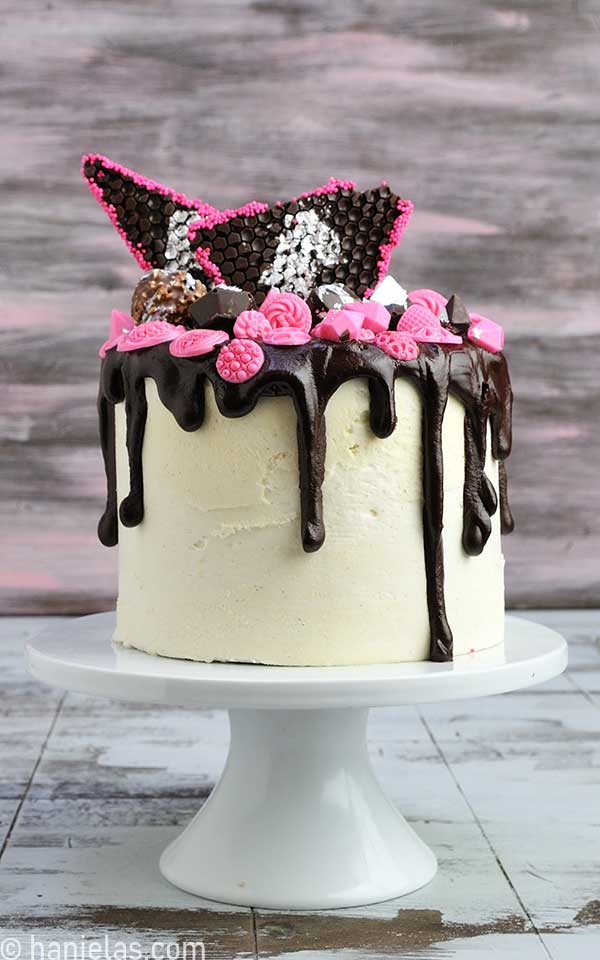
point(178, 246)
point(306, 245)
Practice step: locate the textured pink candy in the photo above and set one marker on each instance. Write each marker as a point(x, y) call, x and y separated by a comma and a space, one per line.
point(400, 346)
point(486, 333)
point(424, 326)
point(148, 335)
point(366, 335)
point(120, 324)
point(286, 310)
point(195, 343)
point(375, 317)
point(286, 337)
point(431, 299)
point(240, 360)
point(339, 325)
point(251, 324)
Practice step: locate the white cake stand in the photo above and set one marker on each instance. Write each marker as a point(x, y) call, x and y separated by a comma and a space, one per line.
point(297, 820)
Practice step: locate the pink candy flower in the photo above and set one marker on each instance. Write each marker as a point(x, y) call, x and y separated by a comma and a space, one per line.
point(286, 337)
point(120, 324)
point(195, 343)
point(148, 335)
point(425, 327)
point(286, 310)
point(251, 324)
point(431, 299)
point(240, 360)
point(400, 346)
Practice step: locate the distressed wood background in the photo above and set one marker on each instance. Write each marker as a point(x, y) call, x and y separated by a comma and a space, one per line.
point(484, 112)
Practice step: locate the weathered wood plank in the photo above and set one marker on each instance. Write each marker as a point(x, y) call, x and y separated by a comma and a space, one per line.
point(487, 117)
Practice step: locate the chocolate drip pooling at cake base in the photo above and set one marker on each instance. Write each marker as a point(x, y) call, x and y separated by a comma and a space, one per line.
point(310, 375)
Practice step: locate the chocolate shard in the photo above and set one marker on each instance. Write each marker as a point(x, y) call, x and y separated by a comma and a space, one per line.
point(219, 308)
point(457, 315)
point(152, 219)
point(334, 235)
point(329, 296)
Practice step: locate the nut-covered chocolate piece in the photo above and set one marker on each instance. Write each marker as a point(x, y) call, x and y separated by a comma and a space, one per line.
point(457, 316)
point(166, 296)
point(220, 307)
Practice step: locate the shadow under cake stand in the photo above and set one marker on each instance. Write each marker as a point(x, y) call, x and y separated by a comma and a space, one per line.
point(297, 820)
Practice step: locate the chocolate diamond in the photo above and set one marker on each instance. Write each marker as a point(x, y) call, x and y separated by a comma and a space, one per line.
point(219, 308)
point(457, 315)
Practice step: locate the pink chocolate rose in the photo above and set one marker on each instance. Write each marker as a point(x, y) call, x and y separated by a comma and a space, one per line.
point(431, 299)
point(251, 324)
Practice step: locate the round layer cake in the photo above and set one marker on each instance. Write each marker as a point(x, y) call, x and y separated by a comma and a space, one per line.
point(305, 464)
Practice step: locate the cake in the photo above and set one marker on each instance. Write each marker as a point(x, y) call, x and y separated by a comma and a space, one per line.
point(304, 461)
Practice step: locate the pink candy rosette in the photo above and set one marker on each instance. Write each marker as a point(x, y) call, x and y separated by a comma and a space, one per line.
point(148, 335)
point(196, 343)
point(286, 310)
point(431, 299)
point(251, 325)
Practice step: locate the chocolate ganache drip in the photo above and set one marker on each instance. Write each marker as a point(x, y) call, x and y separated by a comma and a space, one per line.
point(310, 374)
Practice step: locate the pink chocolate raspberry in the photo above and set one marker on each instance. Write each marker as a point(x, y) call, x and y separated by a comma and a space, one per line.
point(424, 326)
point(431, 299)
point(400, 346)
point(148, 335)
point(120, 324)
point(252, 325)
point(286, 310)
point(240, 360)
point(195, 343)
point(286, 337)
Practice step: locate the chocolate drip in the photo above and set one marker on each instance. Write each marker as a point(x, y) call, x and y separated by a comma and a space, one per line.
point(310, 375)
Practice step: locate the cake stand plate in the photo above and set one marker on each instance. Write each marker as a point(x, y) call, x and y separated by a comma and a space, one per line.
point(297, 820)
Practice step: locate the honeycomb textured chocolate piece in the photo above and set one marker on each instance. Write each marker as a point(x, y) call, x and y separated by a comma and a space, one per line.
point(151, 218)
point(331, 236)
point(166, 296)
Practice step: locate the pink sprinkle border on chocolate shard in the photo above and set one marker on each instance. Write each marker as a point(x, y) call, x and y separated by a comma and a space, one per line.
point(151, 185)
point(211, 219)
point(405, 209)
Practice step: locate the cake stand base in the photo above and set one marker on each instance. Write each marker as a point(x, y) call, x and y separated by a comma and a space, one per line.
point(297, 820)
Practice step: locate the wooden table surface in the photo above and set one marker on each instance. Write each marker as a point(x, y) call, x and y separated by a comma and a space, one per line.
point(484, 112)
point(505, 789)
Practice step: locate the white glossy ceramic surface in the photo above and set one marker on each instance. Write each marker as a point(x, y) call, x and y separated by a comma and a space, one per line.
point(297, 820)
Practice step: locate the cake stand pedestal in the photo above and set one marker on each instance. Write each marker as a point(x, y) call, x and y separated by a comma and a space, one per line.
point(297, 820)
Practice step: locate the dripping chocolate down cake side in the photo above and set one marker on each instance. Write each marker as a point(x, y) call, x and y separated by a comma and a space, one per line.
point(304, 461)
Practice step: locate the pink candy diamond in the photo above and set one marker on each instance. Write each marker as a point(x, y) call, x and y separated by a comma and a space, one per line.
point(240, 360)
point(400, 346)
point(375, 317)
point(120, 324)
point(251, 324)
point(424, 326)
point(486, 333)
point(339, 325)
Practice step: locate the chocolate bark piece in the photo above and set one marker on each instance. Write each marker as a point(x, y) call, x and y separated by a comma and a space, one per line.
point(336, 234)
point(457, 316)
point(220, 307)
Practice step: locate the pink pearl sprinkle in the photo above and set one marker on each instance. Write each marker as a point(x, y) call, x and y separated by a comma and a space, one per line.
point(240, 360)
point(251, 324)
